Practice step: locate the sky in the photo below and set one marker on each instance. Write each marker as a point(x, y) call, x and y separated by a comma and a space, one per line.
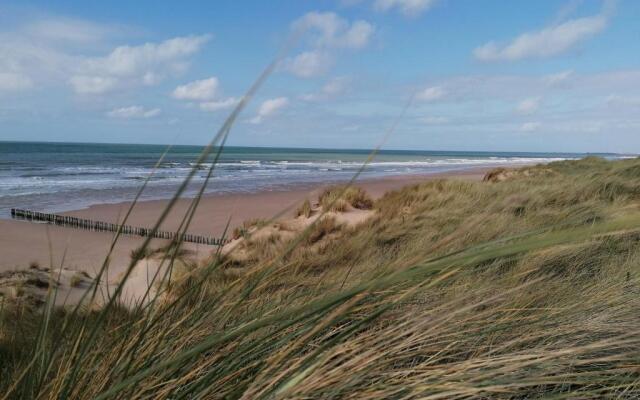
point(491, 75)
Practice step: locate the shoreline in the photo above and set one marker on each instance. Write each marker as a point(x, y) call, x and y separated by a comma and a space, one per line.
point(374, 181)
point(23, 243)
point(376, 187)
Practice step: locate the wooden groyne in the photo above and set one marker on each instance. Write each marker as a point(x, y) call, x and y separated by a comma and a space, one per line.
point(99, 226)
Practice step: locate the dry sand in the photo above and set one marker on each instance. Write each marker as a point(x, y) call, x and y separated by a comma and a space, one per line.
point(22, 243)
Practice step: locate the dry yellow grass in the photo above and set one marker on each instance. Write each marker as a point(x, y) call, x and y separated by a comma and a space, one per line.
point(304, 209)
point(339, 198)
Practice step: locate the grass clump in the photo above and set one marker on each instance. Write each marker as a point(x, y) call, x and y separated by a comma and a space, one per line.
point(140, 253)
point(242, 230)
point(324, 227)
point(304, 210)
point(79, 279)
point(340, 198)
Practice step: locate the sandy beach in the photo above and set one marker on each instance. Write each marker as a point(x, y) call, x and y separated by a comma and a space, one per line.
point(23, 243)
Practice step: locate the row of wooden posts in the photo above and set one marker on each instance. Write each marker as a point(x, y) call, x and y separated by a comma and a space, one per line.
point(81, 223)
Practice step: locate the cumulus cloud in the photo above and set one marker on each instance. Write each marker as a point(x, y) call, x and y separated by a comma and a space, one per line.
point(58, 57)
point(409, 8)
point(431, 94)
point(92, 84)
point(268, 108)
point(38, 53)
point(327, 32)
point(358, 35)
point(47, 50)
point(206, 93)
point(547, 42)
point(219, 104)
point(131, 60)
point(144, 64)
point(30, 63)
point(309, 64)
point(328, 29)
point(133, 112)
point(205, 89)
point(528, 106)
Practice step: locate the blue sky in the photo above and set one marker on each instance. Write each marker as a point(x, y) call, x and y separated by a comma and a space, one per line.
point(483, 75)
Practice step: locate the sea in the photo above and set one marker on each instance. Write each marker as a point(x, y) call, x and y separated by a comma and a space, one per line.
point(54, 177)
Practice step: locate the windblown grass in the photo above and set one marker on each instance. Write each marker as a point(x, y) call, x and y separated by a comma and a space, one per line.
point(304, 209)
point(340, 198)
point(243, 230)
point(524, 288)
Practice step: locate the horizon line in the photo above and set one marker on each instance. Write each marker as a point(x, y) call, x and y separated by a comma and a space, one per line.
point(322, 148)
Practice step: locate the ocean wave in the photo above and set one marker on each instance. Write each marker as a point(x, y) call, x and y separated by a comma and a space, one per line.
point(323, 164)
point(59, 183)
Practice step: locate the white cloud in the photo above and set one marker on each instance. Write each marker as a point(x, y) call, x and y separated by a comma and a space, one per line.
point(557, 79)
point(92, 84)
point(330, 30)
point(151, 78)
point(528, 106)
point(336, 86)
point(309, 64)
point(21, 56)
point(205, 89)
point(133, 112)
point(268, 108)
point(566, 10)
point(327, 32)
point(410, 8)
point(133, 60)
point(509, 88)
point(358, 35)
point(529, 127)
point(10, 81)
point(332, 88)
point(548, 42)
point(219, 105)
point(133, 65)
point(431, 94)
point(579, 104)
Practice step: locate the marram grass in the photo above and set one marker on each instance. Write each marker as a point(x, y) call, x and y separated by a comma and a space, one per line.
point(525, 288)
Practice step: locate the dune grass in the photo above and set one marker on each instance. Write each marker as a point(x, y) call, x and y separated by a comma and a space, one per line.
point(523, 288)
point(340, 198)
point(304, 210)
